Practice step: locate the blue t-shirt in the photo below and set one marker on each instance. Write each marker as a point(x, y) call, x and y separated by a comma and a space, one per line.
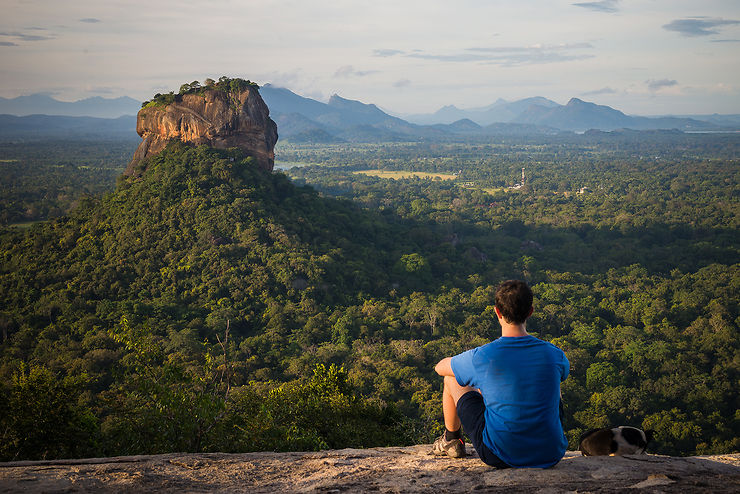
point(519, 378)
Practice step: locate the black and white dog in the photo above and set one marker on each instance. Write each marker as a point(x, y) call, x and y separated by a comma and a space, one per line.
point(622, 440)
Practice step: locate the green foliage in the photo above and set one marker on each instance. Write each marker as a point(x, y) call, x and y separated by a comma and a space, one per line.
point(637, 281)
point(162, 406)
point(159, 404)
point(600, 375)
point(162, 99)
point(627, 276)
point(224, 83)
point(413, 263)
point(317, 412)
point(41, 417)
point(47, 179)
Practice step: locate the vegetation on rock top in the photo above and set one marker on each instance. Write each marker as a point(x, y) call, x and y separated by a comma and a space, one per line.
point(224, 83)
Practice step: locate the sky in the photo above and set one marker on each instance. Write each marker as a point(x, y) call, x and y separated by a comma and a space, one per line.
point(646, 57)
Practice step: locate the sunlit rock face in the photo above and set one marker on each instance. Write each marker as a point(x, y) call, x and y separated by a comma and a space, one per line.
point(214, 117)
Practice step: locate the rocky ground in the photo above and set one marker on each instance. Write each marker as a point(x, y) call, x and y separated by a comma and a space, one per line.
point(393, 470)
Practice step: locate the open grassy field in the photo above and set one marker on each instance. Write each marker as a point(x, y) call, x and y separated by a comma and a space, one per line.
point(24, 224)
point(406, 174)
point(492, 190)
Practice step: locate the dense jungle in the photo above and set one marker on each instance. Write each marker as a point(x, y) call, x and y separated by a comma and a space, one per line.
point(212, 306)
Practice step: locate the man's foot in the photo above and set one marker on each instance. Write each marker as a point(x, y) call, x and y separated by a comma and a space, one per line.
point(454, 448)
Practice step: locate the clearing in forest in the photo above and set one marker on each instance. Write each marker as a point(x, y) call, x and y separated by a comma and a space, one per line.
point(406, 174)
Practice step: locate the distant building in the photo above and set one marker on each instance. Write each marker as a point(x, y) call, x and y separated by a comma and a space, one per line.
point(520, 184)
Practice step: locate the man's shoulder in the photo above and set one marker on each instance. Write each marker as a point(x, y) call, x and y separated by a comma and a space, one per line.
point(530, 344)
point(543, 342)
point(519, 343)
point(553, 348)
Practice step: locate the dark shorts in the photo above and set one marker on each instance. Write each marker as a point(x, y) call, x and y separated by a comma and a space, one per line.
point(471, 410)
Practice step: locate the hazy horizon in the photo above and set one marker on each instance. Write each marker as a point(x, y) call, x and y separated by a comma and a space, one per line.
point(656, 58)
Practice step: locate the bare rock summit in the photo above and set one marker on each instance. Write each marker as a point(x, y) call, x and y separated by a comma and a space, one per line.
point(219, 115)
point(379, 470)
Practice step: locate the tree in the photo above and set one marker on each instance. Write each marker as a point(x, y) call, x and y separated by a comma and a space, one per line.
point(41, 417)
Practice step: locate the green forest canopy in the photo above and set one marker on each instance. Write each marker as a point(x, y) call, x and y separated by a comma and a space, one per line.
point(210, 286)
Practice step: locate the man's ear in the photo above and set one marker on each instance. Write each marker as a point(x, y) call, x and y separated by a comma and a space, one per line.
point(531, 310)
point(498, 312)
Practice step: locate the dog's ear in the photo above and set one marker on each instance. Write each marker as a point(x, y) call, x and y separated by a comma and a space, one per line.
point(649, 435)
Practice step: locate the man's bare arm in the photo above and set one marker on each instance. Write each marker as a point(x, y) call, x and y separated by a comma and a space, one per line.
point(444, 367)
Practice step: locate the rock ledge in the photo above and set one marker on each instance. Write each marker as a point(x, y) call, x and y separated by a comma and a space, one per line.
point(408, 469)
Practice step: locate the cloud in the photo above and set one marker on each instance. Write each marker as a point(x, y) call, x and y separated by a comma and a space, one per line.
point(562, 46)
point(721, 87)
point(18, 36)
point(609, 6)
point(725, 41)
point(504, 56)
point(291, 78)
point(90, 20)
point(698, 26)
point(349, 71)
point(658, 84)
point(402, 83)
point(8, 43)
point(386, 52)
point(603, 90)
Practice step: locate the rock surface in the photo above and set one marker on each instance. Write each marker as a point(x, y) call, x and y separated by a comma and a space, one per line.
point(409, 469)
point(214, 117)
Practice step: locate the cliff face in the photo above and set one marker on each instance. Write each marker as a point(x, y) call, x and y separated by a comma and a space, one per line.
point(214, 117)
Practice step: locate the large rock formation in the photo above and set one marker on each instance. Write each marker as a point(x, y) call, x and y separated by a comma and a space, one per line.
point(411, 469)
point(220, 118)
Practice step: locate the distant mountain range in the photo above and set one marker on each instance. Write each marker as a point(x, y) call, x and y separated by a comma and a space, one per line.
point(302, 119)
point(33, 127)
point(305, 119)
point(43, 104)
point(579, 115)
point(498, 112)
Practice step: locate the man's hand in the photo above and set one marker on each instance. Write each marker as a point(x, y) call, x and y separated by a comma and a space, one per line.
point(444, 367)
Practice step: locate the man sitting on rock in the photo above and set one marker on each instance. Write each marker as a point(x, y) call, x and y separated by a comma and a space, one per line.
point(506, 394)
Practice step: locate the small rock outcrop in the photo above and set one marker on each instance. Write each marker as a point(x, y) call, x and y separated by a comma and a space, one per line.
point(218, 116)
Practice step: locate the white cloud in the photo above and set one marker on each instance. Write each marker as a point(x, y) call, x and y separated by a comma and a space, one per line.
point(504, 55)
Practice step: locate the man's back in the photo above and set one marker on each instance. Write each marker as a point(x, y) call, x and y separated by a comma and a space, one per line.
point(519, 379)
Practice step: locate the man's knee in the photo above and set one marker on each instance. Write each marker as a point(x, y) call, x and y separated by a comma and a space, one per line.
point(454, 388)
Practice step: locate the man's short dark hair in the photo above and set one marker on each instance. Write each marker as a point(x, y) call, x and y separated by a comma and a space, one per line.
point(514, 300)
